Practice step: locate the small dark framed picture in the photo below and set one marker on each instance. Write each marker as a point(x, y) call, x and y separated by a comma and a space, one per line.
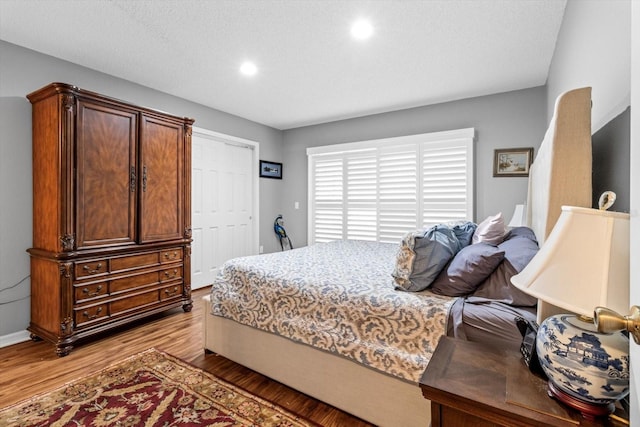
point(512, 161)
point(270, 169)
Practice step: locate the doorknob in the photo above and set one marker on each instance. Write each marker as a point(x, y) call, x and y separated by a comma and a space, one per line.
point(608, 321)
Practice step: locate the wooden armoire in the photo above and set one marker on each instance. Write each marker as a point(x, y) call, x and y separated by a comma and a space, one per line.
point(111, 214)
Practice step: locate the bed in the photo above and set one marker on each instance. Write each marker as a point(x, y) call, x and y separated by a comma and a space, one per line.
point(364, 345)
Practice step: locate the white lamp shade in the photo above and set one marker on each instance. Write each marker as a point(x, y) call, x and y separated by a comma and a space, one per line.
point(584, 263)
point(519, 217)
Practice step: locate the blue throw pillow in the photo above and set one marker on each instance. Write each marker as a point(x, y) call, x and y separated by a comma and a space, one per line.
point(464, 232)
point(519, 248)
point(467, 270)
point(423, 255)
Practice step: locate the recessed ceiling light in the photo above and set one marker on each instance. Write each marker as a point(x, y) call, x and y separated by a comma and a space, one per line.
point(248, 68)
point(362, 29)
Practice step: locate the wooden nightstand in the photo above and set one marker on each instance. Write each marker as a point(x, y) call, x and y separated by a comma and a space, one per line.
point(470, 384)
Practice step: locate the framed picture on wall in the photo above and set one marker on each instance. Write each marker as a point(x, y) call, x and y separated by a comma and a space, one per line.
point(270, 169)
point(512, 161)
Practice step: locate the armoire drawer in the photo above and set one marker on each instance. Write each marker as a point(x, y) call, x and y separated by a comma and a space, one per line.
point(170, 274)
point(170, 255)
point(134, 301)
point(84, 315)
point(133, 261)
point(170, 292)
point(133, 281)
point(92, 268)
point(90, 291)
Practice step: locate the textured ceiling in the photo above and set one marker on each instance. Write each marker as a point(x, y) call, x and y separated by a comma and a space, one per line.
point(310, 69)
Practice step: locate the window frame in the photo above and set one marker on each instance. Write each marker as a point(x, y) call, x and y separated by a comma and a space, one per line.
point(424, 143)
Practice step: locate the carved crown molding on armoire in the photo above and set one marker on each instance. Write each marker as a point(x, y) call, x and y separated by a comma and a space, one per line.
point(111, 210)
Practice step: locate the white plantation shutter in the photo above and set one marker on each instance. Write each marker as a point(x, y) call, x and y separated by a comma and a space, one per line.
point(328, 200)
point(398, 184)
point(447, 184)
point(362, 196)
point(379, 190)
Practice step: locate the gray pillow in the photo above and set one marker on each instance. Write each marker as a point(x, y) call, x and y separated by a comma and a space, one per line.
point(525, 232)
point(519, 248)
point(422, 255)
point(468, 269)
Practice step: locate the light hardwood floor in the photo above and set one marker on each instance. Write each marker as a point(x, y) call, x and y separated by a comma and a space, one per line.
point(31, 367)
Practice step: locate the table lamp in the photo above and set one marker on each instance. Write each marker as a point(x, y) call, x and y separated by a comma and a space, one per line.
point(583, 264)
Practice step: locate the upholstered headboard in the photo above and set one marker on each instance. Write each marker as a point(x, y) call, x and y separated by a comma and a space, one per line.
point(561, 172)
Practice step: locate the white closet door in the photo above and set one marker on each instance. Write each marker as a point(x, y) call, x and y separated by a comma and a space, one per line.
point(223, 180)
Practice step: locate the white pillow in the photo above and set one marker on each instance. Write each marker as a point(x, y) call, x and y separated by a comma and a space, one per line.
point(491, 230)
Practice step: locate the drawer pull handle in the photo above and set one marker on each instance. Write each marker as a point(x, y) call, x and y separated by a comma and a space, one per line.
point(170, 275)
point(94, 271)
point(86, 314)
point(171, 292)
point(92, 294)
point(167, 255)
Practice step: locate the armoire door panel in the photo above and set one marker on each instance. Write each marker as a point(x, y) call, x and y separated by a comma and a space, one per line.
point(161, 186)
point(106, 153)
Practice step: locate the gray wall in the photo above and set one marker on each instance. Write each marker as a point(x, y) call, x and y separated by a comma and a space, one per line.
point(611, 166)
point(23, 71)
point(15, 212)
point(506, 120)
point(593, 49)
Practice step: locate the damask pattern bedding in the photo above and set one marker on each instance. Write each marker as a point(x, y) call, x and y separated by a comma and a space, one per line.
point(339, 297)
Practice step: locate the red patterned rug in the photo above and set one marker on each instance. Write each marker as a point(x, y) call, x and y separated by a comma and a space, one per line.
point(149, 389)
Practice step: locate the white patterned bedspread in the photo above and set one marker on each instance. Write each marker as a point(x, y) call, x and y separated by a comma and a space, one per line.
point(338, 297)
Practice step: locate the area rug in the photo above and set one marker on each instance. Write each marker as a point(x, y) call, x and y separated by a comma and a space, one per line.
point(149, 389)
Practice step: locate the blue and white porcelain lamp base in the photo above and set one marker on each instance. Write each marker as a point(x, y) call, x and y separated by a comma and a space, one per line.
point(587, 370)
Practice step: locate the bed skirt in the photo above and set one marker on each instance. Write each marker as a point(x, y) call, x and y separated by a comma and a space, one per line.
point(368, 394)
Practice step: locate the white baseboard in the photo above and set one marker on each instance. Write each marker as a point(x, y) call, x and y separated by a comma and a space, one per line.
point(14, 338)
